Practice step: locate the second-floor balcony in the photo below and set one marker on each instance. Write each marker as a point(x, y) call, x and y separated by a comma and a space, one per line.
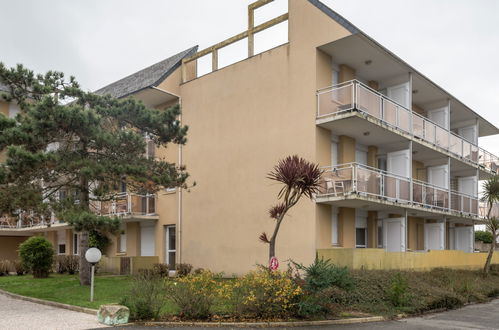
point(127, 204)
point(346, 179)
point(355, 96)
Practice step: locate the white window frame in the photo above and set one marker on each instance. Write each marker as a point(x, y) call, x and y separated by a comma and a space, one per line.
point(361, 223)
point(167, 244)
point(122, 245)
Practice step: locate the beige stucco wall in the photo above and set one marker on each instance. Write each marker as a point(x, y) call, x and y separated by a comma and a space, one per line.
point(415, 233)
point(242, 119)
point(9, 246)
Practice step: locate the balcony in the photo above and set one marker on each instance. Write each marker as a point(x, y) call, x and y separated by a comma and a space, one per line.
point(355, 96)
point(365, 181)
point(127, 204)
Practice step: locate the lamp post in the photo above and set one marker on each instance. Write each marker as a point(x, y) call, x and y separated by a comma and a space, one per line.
point(93, 256)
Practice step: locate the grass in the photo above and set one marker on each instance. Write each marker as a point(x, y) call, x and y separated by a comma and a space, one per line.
point(67, 289)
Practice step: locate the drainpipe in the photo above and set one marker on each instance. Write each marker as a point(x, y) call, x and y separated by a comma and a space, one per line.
point(179, 199)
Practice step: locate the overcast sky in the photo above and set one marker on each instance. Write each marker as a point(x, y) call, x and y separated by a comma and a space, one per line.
point(453, 42)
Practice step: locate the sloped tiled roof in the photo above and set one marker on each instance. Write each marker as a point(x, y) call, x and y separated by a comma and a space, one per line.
point(148, 77)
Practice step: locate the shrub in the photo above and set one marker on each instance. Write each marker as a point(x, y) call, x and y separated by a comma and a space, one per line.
point(4, 267)
point(444, 302)
point(161, 269)
point(18, 267)
point(145, 296)
point(323, 274)
point(267, 294)
point(194, 294)
point(72, 264)
point(198, 271)
point(183, 269)
point(398, 290)
point(60, 264)
point(484, 236)
point(37, 255)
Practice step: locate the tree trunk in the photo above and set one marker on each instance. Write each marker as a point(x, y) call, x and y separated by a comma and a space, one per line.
point(486, 268)
point(84, 265)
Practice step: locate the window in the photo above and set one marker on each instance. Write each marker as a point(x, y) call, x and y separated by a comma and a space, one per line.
point(360, 229)
point(76, 243)
point(61, 242)
point(334, 226)
point(380, 234)
point(171, 244)
point(360, 237)
point(123, 186)
point(122, 247)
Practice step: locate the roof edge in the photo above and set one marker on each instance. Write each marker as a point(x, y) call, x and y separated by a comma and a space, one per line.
point(190, 52)
point(335, 16)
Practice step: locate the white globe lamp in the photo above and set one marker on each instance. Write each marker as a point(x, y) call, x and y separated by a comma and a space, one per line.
point(93, 256)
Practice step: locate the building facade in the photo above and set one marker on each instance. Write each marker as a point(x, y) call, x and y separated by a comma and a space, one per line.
point(400, 156)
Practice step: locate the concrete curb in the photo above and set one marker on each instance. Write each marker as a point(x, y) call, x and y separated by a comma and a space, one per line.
point(50, 303)
point(266, 324)
point(204, 324)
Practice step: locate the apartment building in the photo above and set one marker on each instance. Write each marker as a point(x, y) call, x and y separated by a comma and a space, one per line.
point(400, 156)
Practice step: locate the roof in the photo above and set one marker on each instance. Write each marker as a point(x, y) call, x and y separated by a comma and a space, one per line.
point(151, 76)
point(354, 30)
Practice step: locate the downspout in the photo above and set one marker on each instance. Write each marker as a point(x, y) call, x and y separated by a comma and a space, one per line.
point(179, 199)
point(178, 235)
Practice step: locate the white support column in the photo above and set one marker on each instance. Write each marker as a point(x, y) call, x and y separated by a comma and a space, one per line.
point(448, 182)
point(405, 230)
point(445, 234)
point(411, 191)
point(410, 103)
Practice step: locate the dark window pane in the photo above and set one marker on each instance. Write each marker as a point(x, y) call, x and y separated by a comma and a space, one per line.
point(171, 260)
point(62, 248)
point(380, 236)
point(171, 238)
point(360, 236)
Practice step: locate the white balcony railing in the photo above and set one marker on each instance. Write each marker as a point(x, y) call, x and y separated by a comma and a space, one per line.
point(127, 204)
point(355, 95)
point(344, 179)
point(19, 222)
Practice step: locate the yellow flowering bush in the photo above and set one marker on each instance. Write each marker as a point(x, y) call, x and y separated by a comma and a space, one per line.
point(263, 293)
point(194, 294)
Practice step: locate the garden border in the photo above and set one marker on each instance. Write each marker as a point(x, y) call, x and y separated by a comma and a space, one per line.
point(50, 303)
point(202, 324)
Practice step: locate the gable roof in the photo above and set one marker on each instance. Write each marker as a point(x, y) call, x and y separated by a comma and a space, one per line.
point(149, 77)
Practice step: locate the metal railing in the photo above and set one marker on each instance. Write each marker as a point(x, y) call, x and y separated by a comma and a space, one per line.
point(483, 210)
point(19, 222)
point(355, 95)
point(343, 179)
point(127, 204)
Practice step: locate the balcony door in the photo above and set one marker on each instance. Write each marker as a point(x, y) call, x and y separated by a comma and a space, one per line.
point(399, 94)
point(434, 236)
point(394, 234)
point(147, 245)
point(395, 184)
point(468, 133)
point(439, 176)
point(440, 116)
point(464, 239)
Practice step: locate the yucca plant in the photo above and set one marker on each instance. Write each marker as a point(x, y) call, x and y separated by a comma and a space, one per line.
point(490, 196)
point(299, 178)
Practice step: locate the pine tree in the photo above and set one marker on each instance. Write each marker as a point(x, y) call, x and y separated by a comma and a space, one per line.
point(66, 139)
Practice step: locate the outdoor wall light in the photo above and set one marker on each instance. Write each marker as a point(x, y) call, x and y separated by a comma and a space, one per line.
point(93, 256)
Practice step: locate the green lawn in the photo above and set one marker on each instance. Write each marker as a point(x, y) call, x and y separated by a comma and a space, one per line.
point(67, 289)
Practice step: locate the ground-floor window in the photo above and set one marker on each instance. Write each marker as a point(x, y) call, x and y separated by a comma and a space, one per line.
point(61, 242)
point(122, 247)
point(360, 229)
point(380, 233)
point(171, 250)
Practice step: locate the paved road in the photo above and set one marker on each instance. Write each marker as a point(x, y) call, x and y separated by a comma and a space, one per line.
point(20, 314)
point(481, 316)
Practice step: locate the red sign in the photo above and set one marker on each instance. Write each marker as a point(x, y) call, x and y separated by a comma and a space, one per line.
point(273, 263)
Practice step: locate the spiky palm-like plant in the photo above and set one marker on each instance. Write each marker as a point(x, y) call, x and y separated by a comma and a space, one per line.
point(490, 196)
point(299, 178)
